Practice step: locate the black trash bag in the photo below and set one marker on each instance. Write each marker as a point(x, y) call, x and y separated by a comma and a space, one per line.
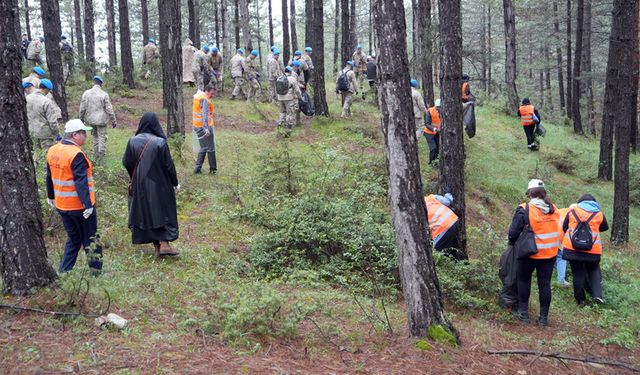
point(469, 119)
point(508, 297)
point(540, 130)
point(306, 104)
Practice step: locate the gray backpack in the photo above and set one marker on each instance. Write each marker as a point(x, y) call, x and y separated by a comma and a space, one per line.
point(282, 85)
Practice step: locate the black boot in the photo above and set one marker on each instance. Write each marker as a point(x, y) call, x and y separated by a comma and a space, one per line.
point(522, 315)
point(543, 320)
point(199, 161)
point(213, 166)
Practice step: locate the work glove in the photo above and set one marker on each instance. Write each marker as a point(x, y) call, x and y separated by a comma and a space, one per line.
point(87, 213)
point(51, 202)
point(114, 124)
point(177, 188)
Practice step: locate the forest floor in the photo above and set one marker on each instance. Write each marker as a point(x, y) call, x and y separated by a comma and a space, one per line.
point(207, 312)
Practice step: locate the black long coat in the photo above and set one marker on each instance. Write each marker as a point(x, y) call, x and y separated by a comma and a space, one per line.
point(152, 201)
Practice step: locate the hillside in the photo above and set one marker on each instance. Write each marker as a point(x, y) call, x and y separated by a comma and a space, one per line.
point(236, 301)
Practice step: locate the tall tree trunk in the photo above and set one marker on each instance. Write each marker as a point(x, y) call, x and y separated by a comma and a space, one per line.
point(556, 27)
point(292, 21)
point(452, 135)
point(77, 15)
point(246, 25)
point(216, 12)
point(144, 10)
point(417, 269)
point(547, 73)
point(194, 22)
point(272, 41)
point(415, 44)
point(483, 47)
point(50, 11)
point(237, 22)
point(510, 55)
point(90, 39)
point(126, 56)
point(258, 32)
point(370, 28)
point(586, 67)
point(27, 25)
point(285, 32)
point(308, 23)
point(336, 25)
point(620, 75)
point(23, 256)
point(426, 49)
point(111, 32)
point(353, 36)
point(569, 56)
point(346, 33)
point(633, 126)
point(489, 52)
point(226, 43)
point(317, 43)
point(576, 93)
point(171, 52)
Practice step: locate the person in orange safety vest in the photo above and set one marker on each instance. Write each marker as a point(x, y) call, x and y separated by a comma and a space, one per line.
point(466, 90)
point(203, 128)
point(70, 189)
point(529, 118)
point(432, 128)
point(443, 222)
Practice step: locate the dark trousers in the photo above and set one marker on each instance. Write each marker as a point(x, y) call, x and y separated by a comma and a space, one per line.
point(81, 232)
point(448, 242)
point(529, 131)
point(544, 270)
point(207, 149)
point(586, 276)
point(434, 145)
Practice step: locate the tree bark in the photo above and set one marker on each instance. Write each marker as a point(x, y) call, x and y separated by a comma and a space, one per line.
point(237, 22)
point(271, 40)
point(425, 49)
point(50, 11)
point(77, 14)
point(285, 32)
point(510, 55)
point(556, 27)
point(417, 269)
point(317, 43)
point(577, 65)
point(293, 29)
point(346, 33)
point(415, 44)
point(171, 55)
point(489, 50)
point(111, 33)
point(23, 256)
point(246, 25)
point(216, 12)
point(258, 30)
point(308, 23)
point(353, 36)
point(226, 43)
point(547, 73)
point(27, 24)
point(569, 56)
point(336, 47)
point(620, 74)
point(194, 22)
point(633, 126)
point(126, 56)
point(90, 39)
point(586, 67)
point(483, 48)
point(144, 9)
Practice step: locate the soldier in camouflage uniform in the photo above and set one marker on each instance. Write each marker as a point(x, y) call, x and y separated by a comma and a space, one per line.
point(251, 73)
point(360, 60)
point(67, 57)
point(151, 58)
point(237, 69)
point(216, 64)
point(289, 102)
point(42, 116)
point(200, 67)
point(34, 78)
point(274, 70)
point(95, 111)
point(307, 59)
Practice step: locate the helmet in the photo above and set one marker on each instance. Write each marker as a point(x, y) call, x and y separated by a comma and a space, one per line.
point(438, 102)
point(308, 49)
point(254, 52)
point(297, 53)
point(351, 63)
point(98, 79)
point(205, 48)
point(296, 64)
point(215, 50)
point(38, 70)
point(241, 51)
point(46, 84)
point(414, 83)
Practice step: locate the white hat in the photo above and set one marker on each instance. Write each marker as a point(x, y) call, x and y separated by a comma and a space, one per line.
point(75, 125)
point(438, 102)
point(535, 183)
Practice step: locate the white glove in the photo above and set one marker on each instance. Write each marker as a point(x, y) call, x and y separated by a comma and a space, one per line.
point(207, 133)
point(177, 188)
point(51, 202)
point(87, 213)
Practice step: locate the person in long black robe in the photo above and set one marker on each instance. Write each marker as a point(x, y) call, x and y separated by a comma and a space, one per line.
point(153, 214)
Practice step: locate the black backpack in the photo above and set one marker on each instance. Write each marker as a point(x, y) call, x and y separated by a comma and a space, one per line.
point(282, 85)
point(343, 82)
point(582, 238)
point(306, 104)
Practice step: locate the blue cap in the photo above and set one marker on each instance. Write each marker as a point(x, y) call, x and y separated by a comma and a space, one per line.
point(99, 79)
point(288, 69)
point(39, 70)
point(241, 51)
point(308, 49)
point(413, 83)
point(254, 52)
point(273, 48)
point(276, 52)
point(46, 84)
point(26, 84)
point(151, 40)
point(205, 48)
point(297, 53)
point(359, 46)
point(215, 50)
point(351, 63)
point(296, 64)
point(63, 37)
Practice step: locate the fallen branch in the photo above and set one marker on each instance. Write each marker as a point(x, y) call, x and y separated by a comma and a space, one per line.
point(61, 313)
point(558, 356)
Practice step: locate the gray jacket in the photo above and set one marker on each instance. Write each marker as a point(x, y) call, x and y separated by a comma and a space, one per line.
point(42, 116)
point(96, 108)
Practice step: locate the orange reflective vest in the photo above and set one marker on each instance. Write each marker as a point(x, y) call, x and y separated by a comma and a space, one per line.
point(594, 225)
point(59, 157)
point(197, 110)
point(439, 216)
point(545, 228)
point(436, 121)
point(465, 88)
point(526, 115)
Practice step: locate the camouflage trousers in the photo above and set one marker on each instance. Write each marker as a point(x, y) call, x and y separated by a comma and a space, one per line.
point(254, 91)
point(273, 97)
point(216, 81)
point(99, 139)
point(288, 110)
point(153, 69)
point(347, 98)
point(199, 78)
point(238, 88)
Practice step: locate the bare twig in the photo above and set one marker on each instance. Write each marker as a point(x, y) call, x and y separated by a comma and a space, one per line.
point(558, 356)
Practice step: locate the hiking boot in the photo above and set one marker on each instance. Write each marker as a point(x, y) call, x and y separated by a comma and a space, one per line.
point(213, 171)
point(523, 316)
point(543, 321)
point(197, 171)
point(599, 300)
point(166, 249)
point(156, 248)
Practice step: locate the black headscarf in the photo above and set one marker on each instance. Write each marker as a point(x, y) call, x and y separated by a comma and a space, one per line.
point(149, 123)
point(586, 197)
